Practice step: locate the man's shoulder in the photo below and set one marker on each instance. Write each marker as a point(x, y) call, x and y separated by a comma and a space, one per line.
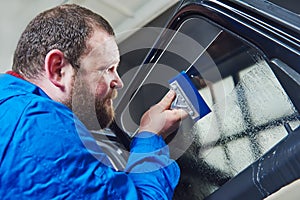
point(46, 110)
point(20, 94)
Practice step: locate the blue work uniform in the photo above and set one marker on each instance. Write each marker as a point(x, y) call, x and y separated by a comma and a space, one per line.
point(47, 153)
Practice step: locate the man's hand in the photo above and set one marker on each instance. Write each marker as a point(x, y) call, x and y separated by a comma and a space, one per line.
point(159, 119)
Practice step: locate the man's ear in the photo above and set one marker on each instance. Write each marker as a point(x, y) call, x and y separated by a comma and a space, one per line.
point(54, 64)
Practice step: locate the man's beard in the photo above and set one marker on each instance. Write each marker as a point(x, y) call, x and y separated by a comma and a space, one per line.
point(93, 111)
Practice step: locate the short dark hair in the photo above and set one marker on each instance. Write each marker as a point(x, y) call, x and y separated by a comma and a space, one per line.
point(66, 27)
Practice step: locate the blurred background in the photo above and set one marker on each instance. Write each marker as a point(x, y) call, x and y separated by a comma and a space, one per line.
point(124, 16)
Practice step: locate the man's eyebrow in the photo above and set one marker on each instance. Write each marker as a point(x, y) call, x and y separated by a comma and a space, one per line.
point(115, 62)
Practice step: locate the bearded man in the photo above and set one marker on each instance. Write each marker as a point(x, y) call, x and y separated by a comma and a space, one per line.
point(62, 83)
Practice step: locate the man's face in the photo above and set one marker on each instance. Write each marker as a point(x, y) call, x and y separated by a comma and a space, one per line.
point(96, 82)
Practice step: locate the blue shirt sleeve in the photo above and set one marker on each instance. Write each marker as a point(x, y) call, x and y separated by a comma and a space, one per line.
point(151, 169)
point(58, 158)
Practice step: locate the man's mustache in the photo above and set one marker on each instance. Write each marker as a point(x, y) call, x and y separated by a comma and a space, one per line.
point(113, 94)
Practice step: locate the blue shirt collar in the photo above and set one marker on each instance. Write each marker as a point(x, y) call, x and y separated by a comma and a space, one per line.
point(12, 86)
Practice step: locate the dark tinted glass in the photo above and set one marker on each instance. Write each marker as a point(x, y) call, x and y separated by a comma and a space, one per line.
point(249, 106)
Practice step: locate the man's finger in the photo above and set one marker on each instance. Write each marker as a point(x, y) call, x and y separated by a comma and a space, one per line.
point(183, 114)
point(166, 101)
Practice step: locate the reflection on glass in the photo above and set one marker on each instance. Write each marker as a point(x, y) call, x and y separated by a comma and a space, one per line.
point(244, 126)
point(249, 106)
point(249, 110)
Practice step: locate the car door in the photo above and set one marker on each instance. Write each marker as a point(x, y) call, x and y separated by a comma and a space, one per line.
point(245, 57)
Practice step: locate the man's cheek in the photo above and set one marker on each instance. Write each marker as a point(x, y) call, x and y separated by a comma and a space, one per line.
point(101, 91)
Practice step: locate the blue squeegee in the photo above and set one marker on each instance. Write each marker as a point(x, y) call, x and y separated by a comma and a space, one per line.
point(188, 97)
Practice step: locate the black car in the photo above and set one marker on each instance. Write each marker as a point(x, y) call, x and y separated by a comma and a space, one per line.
point(243, 58)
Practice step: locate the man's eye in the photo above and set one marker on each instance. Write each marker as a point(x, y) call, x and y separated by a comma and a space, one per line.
point(111, 69)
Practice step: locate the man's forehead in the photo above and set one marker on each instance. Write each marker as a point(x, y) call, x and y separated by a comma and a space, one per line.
point(101, 43)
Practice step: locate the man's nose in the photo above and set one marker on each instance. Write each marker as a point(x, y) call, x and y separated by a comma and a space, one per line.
point(117, 81)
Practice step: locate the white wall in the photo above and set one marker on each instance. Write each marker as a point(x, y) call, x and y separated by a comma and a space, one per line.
point(14, 16)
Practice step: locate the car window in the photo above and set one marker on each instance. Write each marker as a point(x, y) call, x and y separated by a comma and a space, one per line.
point(249, 107)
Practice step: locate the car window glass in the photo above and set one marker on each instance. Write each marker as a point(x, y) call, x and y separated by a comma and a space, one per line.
point(249, 106)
